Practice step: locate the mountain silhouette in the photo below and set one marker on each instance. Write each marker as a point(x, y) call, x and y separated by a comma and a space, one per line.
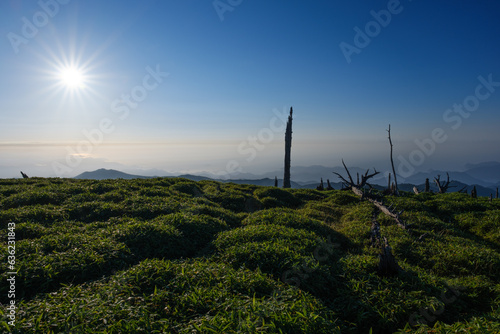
point(103, 174)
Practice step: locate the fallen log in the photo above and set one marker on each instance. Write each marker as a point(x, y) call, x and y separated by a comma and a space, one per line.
point(394, 215)
point(358, 190)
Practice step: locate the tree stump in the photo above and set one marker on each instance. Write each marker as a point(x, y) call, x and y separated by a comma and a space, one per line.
point(321, 186)
point(387, 265)
point(473, 192)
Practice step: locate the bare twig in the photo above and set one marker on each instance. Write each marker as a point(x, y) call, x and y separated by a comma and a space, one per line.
point(443, 186)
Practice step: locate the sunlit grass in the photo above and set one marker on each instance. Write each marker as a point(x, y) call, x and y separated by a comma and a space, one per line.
point(173, 255)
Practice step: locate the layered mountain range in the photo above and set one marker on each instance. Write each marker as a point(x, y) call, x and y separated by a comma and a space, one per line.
point(485, 176)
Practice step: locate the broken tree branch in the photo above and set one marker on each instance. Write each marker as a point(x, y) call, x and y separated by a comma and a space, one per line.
point(443, 186)
point(358, 190)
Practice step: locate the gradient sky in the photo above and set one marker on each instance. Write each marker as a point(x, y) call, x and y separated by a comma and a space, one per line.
point(234, 69)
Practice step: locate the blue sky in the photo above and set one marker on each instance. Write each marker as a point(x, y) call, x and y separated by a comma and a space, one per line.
point(234, 69)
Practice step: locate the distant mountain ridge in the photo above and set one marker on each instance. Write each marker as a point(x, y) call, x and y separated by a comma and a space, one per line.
point(111, 174)
point(487, 171)
point(459, 180)
point(103, 174)
point(485, 174)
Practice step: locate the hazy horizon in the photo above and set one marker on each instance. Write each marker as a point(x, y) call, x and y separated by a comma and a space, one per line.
point(265, 162)
point(185, 86)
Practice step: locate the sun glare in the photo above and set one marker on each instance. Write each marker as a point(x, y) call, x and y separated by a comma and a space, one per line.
point(70, 75)
point(72, 78)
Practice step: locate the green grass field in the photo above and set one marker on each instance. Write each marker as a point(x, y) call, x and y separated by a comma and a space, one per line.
point(170, 255)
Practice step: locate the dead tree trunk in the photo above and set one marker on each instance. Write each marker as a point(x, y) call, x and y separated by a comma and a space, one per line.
point(328, 185)
point(443, 186)
point(473, 192)
point(321, 185)
point(497, 193)
point(288, 150)
point(275, 181)
point(24, 175)
point(427, 187)
point(396, 191)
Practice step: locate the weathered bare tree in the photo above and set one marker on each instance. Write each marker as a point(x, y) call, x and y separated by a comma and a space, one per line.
point(358, 189)
point(329, 186)
point(497, 193)
point(24, 175)
point(396, 191)
point(387, 262)
point(275, 181)
point(443, 186)
point(288, 150)
point(473, 192)
point(427, 185)
point(321, 185)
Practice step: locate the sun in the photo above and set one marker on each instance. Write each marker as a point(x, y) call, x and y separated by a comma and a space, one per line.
point(72, 78)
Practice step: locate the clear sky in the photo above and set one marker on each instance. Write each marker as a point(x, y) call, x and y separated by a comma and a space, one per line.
point(189, 85)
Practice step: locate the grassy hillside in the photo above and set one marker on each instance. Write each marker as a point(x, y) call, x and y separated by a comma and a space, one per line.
point(177, 256)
